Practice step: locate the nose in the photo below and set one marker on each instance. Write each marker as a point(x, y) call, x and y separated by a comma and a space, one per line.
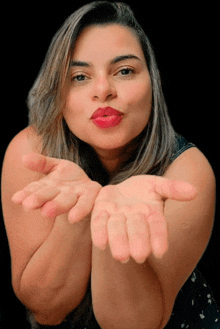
point(103, 89)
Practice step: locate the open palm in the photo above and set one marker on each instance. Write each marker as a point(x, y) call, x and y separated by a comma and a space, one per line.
point(130, 216)
point(64, 188)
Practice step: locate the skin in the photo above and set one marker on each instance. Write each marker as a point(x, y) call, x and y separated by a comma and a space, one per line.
point(132, 238)
point(125, 86)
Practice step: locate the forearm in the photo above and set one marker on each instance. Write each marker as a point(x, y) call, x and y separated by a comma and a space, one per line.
point(56, 277)
point(125, 296)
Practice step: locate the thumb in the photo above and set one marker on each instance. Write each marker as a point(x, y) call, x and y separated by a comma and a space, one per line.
point(175, 189)
point(40, 163)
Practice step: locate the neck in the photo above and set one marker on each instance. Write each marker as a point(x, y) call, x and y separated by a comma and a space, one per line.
point(113, 160)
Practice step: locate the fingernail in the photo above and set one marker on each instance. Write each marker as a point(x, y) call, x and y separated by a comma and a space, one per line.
point(159, 255)
point(100, 247)
point(125, 261)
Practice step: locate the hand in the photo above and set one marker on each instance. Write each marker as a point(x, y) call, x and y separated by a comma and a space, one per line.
point(64, 188)
point(130, 216)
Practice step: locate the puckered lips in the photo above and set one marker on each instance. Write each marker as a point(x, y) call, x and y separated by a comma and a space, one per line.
point(106, 117)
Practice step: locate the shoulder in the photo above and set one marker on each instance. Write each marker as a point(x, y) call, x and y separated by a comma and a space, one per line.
point(192, 166)
point(24, 142)
point(181, 145)
point(14, 175)
point(189, 162)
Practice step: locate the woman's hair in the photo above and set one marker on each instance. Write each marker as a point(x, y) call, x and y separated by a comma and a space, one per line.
point(46, 100)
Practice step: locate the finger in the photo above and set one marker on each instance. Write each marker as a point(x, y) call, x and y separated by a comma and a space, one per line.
point(99, 230)
point(40, 163)
point(37, 199)
point(175, 190)
point(158, 234)
point(83, 206)
point(139, 237)
point(20, 196)
point(117, 237)
point(61, 204)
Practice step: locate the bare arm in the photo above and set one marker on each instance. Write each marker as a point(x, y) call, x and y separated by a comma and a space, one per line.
point(51, 258)
point(141, 293)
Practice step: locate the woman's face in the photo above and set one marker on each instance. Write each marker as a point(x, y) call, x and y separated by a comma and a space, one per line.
point(109, 96)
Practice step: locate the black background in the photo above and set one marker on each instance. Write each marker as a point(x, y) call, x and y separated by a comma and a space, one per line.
point(185, 41)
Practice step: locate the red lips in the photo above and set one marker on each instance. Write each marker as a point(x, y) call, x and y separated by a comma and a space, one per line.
point(106, 117)
point(107, 111)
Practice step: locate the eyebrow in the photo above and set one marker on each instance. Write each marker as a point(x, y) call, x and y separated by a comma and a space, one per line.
point(79, 63)
point(113, 61)
point(123, 58)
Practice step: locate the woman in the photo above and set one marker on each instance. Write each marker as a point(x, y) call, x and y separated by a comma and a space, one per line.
point(107, 210)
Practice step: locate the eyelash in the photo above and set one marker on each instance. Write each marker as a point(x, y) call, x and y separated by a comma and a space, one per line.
point(75, 78)
point(130, 70)
point(126, 69)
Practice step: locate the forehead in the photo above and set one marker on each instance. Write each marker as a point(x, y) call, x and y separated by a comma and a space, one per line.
point(105, 42)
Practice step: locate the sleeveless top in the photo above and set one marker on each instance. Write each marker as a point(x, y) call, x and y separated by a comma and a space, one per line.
point(195, 306)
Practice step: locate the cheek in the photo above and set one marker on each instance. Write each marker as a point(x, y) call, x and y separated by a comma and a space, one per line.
point(72, 117)
point(141, 104)
point(139, 100)
point(69, 108)
point(73, 110)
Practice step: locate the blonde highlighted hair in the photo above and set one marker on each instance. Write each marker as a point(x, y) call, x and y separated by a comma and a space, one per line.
point(47, 98)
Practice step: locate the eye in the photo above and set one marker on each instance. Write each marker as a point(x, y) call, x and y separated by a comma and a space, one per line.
point(79, 78)
point(126, 71)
